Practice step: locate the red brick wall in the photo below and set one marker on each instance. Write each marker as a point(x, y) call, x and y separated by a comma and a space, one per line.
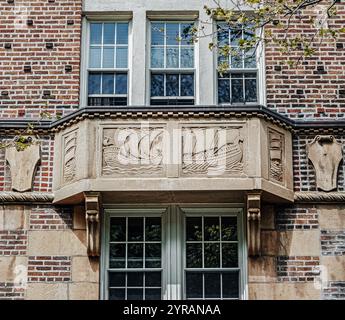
point(51, 24)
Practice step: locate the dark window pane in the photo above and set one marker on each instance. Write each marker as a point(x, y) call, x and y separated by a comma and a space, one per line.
point(135, 229)
point(118, 229)
point(153, 279)
point(237, 61)
point(211, 255)
point(224, 91)
point(95, 33)
point(153, 229)
point(157, 34)
point(172, 85)
point(229, 228)
point(223, 35)
point(186, 33)
point(108, 84)
point(194, 229)
point(157, 85)
point(117, 256)
point(117, 279)
point(187, 85)
point(236, 90)
point(211, 229)
point(172, 34)
point(109, 33)
point(231, 285)
point(229, 255)
point(153, 255)
point(153, 294)
point(122, 33)
point(94, 83)
point(135, 279)
point(121, 83)
point(135, 255)
point(194, 255)
point(117, 294)
point(194, 285)
point(251, 95)
point(134, 294)
point(212, 285)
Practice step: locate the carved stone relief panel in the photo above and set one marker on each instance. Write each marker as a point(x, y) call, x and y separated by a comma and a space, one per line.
point(69, 159)
point(325, 153)
point(276, 156)
point(212, 151)
point(132, 151)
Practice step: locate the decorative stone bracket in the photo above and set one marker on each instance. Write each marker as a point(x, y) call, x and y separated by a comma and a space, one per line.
point(92, 211)
point(253, 223)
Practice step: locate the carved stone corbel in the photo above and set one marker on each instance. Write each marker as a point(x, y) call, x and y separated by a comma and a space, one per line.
point(253, 223)
point(92, 211)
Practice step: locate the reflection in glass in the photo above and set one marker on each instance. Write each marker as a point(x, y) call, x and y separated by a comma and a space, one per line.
point(237, 90)
point(94, 83)
point(194, 255)
point(251, 90)
point(172, 57)
point(135, 255)
point(121, 57)
point(157, 85)
point(229, 255)
point(95, 57)
point(211, 229)
point(211, 255)
point(108, 84)
point(153, 229)
point(172, 85)
point(194, 284)
point(194, 229)
point(121, 83)
point(224, 90)
point(229, 228)
point(172, 34)
point(157, 57)
point(212, 285)
point(153, 255)
point(122, 33)
point(187, 85)
point(117, 257)
point(157, 34)
point(135, 229)
point(95, 33)
point(186, 33)
point(187, 57)
point(109, 33)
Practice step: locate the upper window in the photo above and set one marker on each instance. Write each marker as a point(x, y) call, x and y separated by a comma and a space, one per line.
point(238, 84)
point(108, 63)
point(172, 64)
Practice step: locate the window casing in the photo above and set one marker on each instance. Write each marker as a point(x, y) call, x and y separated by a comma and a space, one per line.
point(172, 64)
point(107, 71)
point(170, 274)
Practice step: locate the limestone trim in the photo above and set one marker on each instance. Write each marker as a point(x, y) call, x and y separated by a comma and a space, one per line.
point(253, 223)
point(32, 197)
point(319, 197)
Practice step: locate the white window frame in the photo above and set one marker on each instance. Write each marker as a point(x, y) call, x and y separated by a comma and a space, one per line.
point(173, 242)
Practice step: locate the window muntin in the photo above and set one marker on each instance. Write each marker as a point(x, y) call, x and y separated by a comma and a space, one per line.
point(172, 63)
point(239, 84)
point(108, 63)
point(212, 268)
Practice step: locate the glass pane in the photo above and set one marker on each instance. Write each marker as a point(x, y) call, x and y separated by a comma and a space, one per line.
point(121, 57)
point(187, 85)
point(153, 255)
point(117, 294)
point(157, 85)
point(157, 34)
point(157, 57)
point(94, 83)
point(153, 279)
point(135, 294)
point(229, 255)
point(118, 229)
point(117, 279)
point(194, 229)
point(187, 57)
point(95, 57)
point(95, 33)
point(229, 228)
point(223, 35)
point(135, 229)
point(172, 34)
point(122, 33)
point(223, 60)
point(121, 83)
point(211, 255)
point(236, 90)
point(237, 61)
point(172, 57)
point(186, 33)
point(153, 229)
point(235, 36)
point(211, 229)
point(135, 279)
point(224, 91)
point(135, 255)
point(117, 256)
point(230, 285)
point(194, 285)
point(172, 85)
point(251, 90)
point(153, 294)
point(194, 255)
point(109, 33)
point(108, 83)
point(250, 60)
point(108, 57)
point(212, 285)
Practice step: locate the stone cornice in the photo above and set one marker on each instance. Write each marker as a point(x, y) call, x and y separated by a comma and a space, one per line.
point(320, 197)
point(26, 197)
point(10, 126)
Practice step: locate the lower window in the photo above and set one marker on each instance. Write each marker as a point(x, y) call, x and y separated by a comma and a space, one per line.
point(143, 258)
